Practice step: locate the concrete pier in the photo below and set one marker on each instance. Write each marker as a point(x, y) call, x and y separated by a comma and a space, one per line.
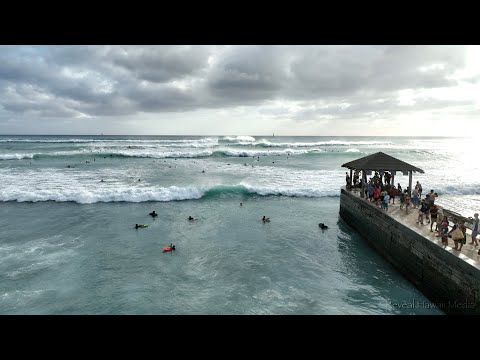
point(449, 278)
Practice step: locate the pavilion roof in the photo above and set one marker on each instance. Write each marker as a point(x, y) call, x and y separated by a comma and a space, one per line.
point(381, 162)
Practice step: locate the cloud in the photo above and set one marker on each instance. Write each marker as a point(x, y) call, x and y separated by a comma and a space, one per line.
point(322, 81)
point(159, 64)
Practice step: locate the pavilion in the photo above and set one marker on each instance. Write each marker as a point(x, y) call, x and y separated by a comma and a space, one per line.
point(381, 162)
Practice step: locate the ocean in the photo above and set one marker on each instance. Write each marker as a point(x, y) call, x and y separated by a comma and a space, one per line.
point(68, 243)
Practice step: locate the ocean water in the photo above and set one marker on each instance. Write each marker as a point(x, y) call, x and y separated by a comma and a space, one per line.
point(68, 243)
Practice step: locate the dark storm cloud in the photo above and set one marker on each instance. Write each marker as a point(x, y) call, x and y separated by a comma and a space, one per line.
point(160, 63)
point(248, 72)
point(163, 98)
point(69, 81)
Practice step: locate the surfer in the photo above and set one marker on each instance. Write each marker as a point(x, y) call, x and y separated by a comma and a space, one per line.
point(153, 213)
point(169, 248)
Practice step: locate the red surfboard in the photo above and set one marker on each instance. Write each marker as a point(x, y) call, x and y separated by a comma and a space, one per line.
point(167, 248)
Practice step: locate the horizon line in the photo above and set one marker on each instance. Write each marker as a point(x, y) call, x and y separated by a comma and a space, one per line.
point(390, 136)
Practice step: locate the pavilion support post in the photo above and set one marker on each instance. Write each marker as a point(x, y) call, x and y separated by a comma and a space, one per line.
point(350, 181)
point(393, 179)
point(410, 183)
point(364, 187)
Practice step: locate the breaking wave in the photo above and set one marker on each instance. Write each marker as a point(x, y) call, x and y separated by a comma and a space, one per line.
point(172, 193)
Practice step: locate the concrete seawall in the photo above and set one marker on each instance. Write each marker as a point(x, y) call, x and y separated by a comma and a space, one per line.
point(450, 282)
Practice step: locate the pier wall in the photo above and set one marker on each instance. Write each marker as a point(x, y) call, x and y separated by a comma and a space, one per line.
point(450, 282)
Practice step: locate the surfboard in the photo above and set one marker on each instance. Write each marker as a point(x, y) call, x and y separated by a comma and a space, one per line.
point(142, 225)
point(167, 248)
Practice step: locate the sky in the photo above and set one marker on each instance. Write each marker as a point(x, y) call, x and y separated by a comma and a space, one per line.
point(321, 90)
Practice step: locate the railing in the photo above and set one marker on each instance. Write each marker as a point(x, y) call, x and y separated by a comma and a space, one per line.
point(457, 217)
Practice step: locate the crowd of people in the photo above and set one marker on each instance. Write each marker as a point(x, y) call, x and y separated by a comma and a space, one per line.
point(382, 193)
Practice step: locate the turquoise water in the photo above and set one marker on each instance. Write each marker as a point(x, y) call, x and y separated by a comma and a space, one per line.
point(68, 243)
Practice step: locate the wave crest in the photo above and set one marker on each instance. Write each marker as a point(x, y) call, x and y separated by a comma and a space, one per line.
point(239, 139)
point(172, 193)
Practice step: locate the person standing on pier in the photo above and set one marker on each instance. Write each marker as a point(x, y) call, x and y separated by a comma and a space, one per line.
point(456, 234)
point(402, 200)
point(439, 219)
point(385, 201)
point(427, 204)
point(443, 228)
point(433, 216)
point(418, 187)
point(432, 196)
point(407, 202)
point(475, 222)
point(463, 228)
point(421, 212)
point(371, 191)
point(415, 198)
point(376, 195)
point(393, 193)
point(387, 177)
